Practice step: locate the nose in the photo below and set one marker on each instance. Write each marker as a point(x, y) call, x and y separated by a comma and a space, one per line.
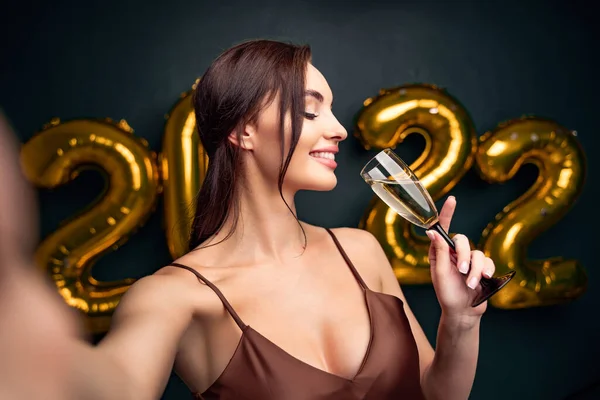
point(336, 131)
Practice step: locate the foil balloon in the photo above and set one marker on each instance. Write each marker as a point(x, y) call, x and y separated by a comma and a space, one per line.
point(53, 157)
point(562, 169)
point(450, 145)
point(183, 167)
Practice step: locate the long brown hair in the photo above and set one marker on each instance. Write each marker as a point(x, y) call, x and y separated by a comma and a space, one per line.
point(229, 95)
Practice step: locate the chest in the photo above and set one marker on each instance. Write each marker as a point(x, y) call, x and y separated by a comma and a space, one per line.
point(322, 320)
point(266, 369)
point(316, 315)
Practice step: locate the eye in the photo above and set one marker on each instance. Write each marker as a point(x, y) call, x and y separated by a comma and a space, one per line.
point(310, 116)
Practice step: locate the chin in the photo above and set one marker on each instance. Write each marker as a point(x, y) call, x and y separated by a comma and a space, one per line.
point(313, 177)
point(321, 183)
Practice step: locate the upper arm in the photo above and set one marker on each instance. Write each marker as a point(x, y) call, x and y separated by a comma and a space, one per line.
point(375, 261)
point(145, 331)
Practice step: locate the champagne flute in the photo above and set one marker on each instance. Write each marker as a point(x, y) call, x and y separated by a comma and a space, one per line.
point(394, 182)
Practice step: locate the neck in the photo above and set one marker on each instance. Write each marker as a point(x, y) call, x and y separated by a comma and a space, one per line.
point(266, 230)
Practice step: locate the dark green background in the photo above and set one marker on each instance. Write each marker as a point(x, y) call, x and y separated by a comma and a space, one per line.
point(131, 60)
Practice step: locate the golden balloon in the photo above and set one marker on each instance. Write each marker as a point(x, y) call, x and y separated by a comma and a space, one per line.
point(450, 145)
point(53, 157)
point(183, 167)
point(562, 169)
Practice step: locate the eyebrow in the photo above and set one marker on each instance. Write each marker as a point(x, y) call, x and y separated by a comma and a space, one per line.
point(316, 95)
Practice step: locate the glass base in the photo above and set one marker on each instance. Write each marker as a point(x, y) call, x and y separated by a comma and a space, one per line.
point(489, 287)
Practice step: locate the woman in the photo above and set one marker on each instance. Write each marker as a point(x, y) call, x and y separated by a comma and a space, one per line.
point(327, 318)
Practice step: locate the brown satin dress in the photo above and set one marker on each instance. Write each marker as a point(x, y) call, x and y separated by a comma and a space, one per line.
point(260, 370)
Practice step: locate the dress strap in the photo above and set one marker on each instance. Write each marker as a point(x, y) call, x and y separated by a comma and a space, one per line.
point(347, 259)
point(230, 309)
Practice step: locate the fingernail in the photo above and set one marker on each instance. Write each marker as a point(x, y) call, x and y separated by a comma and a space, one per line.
point(473, 282)
point(487, 274)
point(430, 235)
point(463, 267)
point(453, 198)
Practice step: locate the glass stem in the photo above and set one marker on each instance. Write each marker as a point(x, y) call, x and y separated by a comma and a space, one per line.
point(438, 228)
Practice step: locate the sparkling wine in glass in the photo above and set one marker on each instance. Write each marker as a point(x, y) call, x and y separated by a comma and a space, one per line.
point(394, 182)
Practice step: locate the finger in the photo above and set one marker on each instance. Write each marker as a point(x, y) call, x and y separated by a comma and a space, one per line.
point(463, 253)
point(442, 253)
point(447, 212)
point(17, 212)
point(431, 255)
point(489, 268)
point(477, 265)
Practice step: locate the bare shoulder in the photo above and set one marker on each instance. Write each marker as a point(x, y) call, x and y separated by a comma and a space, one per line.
point(154, 292)
point(356, 237)
point(167, 290)
point(365, 252)
point(147, 327)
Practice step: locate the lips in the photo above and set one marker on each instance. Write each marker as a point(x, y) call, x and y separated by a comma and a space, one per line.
point(326, 158)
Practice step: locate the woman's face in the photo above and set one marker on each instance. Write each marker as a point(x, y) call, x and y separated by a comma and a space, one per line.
point(313, 162)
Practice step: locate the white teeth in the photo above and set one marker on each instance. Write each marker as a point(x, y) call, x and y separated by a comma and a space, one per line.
point(321, 154)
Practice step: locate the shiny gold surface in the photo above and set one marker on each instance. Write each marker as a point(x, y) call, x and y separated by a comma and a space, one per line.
point(562, 169)
point(183, 167)
point(54, 157)
point(450, 145)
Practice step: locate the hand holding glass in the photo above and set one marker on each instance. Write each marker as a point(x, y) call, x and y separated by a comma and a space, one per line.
point(394, 182)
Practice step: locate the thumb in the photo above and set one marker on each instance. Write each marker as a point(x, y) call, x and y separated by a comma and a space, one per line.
point(18, 210)
point(442, 253)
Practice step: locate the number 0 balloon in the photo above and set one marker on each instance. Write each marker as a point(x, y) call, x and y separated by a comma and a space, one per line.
point(183, 167)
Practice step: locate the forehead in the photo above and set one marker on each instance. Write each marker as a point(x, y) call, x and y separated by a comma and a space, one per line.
point(316, 81)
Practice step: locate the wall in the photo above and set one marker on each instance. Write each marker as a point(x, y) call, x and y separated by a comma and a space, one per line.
point(131, 60)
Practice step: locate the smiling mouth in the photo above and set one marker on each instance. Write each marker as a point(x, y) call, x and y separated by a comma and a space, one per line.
point(324, 157)
point(322, 154)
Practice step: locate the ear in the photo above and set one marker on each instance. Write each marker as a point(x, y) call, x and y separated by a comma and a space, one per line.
point(247, 139)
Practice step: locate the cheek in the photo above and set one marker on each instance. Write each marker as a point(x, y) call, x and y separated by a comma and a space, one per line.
point(307, 141)
point(309, 137)
point(267, 152)
point(304, 172)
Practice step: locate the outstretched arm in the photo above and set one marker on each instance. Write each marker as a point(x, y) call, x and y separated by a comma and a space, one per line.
point(145, 332)
point(43, 353)
point(40, 343)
